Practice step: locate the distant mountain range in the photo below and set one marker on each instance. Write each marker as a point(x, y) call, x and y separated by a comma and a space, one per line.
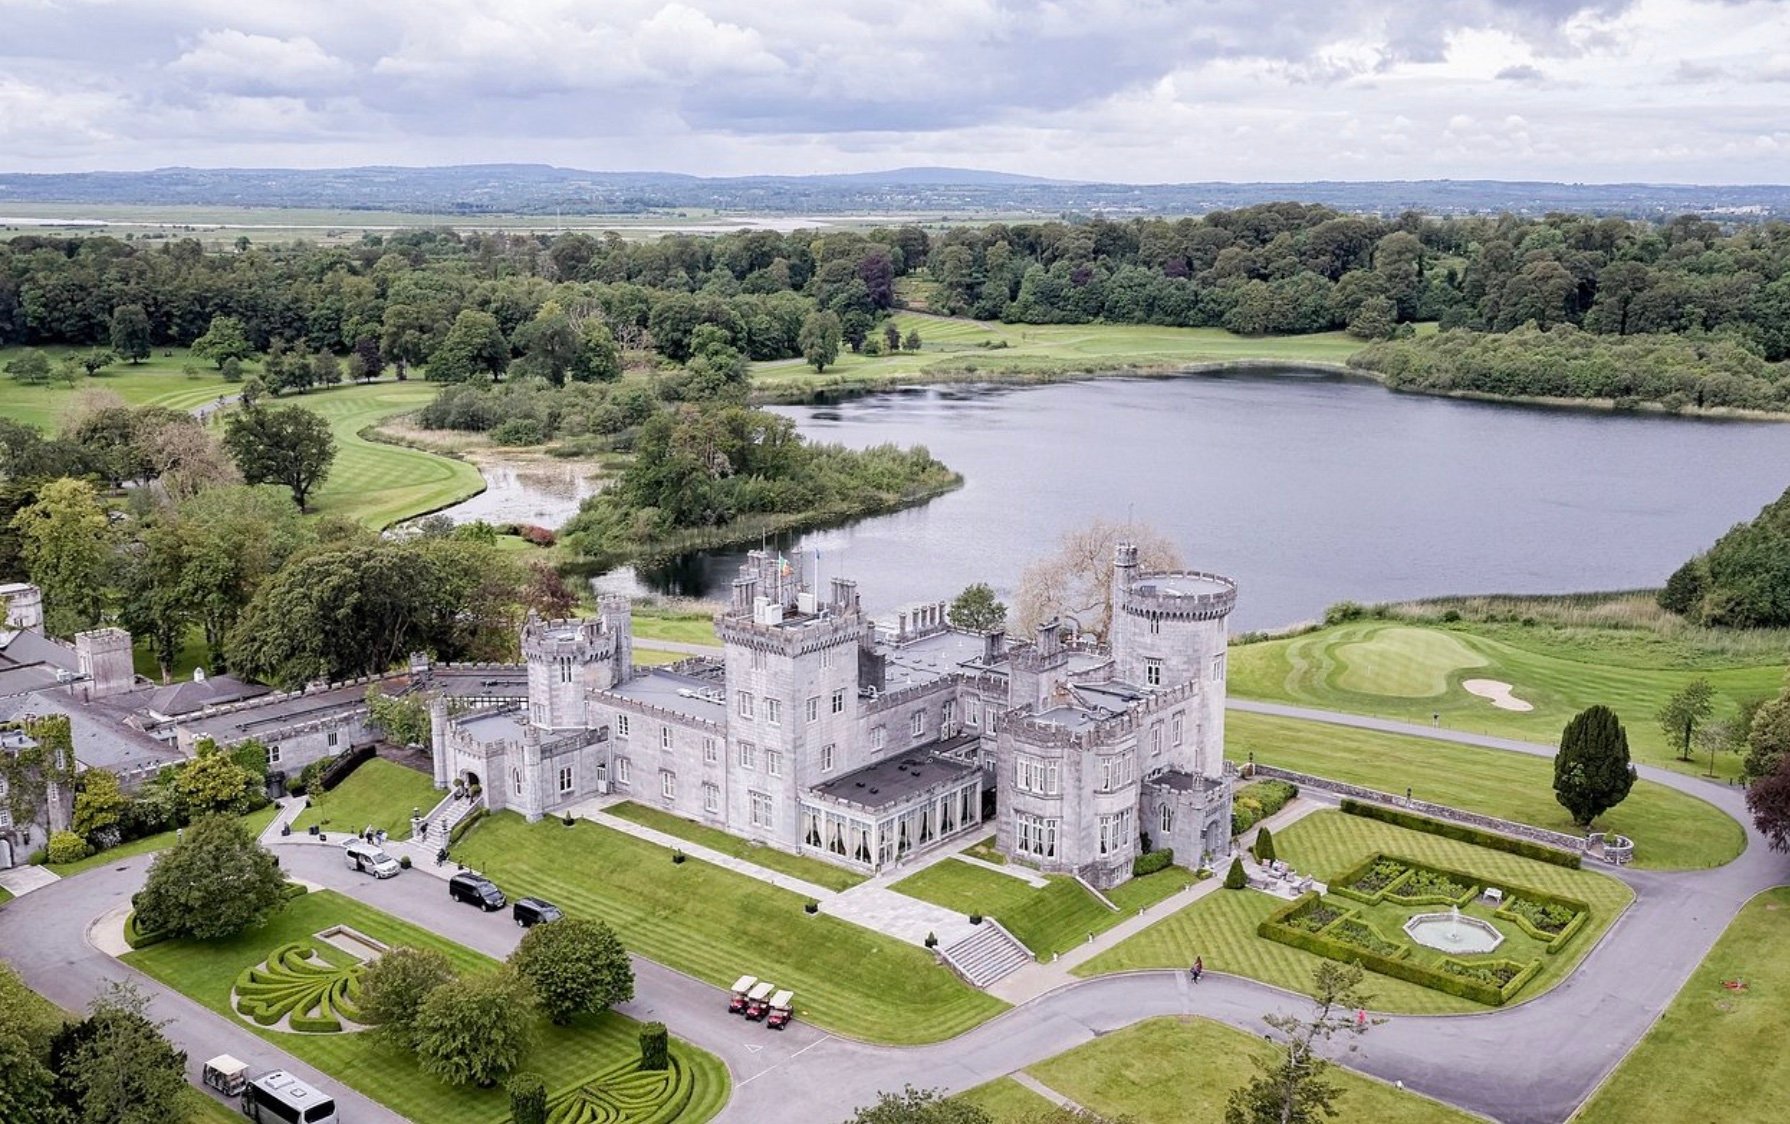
point(480, 189)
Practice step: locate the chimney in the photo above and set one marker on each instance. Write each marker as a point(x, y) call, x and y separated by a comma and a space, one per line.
point(1050, 637)
point(994, 646)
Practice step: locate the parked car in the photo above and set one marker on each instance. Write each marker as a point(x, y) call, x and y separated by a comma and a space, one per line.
point(475, 889)
point(369, 859)
point(737, 1004)
point(783, 1006)
point(758, 999)
point(530, 912)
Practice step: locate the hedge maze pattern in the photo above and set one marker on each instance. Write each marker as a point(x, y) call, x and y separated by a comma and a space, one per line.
point(294, 984)
point(626, 1094)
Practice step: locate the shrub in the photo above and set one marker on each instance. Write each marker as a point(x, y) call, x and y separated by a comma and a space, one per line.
point(342, 767)
point(1426, 884)
point(137, 937)
point(38, 857)
point(538, 536)
point(1508, 844)
point(1314, 918)
point(932, 940)
point(1264, 846)
point(1256, 802)
point(655, 1047)
point(460, 829)
point(1152, 862)
point(811, 906)
point(1235, 878)
point(1383, 873)
point(518, 431)
point(404, 862)
point(1364, 936)
point(528, 1099)
point(290, 890)
point(67, 847)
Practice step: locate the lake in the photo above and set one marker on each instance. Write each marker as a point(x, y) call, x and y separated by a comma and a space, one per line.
point(1306, 488)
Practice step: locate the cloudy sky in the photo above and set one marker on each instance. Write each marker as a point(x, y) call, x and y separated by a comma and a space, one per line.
point(1133, 90)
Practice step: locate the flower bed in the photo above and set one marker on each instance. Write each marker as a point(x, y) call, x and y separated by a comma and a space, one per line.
point(1427, 886)
point(1544, 917)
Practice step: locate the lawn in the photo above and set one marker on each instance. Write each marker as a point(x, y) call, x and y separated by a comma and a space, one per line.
point(954, 348)
point(716, 925)
point(652, 657)
point(5, 895)
point(1413, 671)
point(379, 484)
point(157, 381)
point(678, 626)
point(1221, 927)
point(1050, 920)
point(380, 792)
point(1180, 1071)
point(1715, 1054)
point(1671, 830)
point(563, 1056)
point(1006, 1101)
point(817, 871)
point(254, 822)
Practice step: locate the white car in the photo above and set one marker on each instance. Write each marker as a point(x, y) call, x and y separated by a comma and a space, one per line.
point(360, 855)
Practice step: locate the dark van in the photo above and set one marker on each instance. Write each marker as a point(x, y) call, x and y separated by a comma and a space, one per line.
point(475, 889)
point(530, 912)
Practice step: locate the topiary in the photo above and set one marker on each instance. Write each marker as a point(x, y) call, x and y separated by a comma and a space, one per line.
point(655, 1047)
point(528, 1099)
point(67, 847)
point(1264, 846)
point(1235, 878)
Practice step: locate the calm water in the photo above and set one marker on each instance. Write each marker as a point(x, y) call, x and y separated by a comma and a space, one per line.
point(1308, 489)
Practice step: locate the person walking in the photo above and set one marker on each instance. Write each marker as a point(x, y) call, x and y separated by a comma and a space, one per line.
point(1199, 968)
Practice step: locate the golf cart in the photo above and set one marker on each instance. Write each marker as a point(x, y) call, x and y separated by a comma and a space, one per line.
point(758, 999)
point(741, 986)
point(782, 1009)
point(225, 1074)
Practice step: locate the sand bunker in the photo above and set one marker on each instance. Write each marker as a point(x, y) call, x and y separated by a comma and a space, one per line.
point(1497, 693)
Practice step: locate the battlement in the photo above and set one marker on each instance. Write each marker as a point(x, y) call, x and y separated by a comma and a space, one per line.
point(583, 638)
point(1188, 595)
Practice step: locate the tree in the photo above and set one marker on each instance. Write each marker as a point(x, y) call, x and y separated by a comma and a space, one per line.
point(125, 1071)
point(1768, 798)
point(1264, 845)
point(1768, 736)
point(287, 445)
point(599, 357)
point(1236, 878)
point(64, 542)
point(1688, 707)
point(575, 965)
point(819, 339)
point(477, 1030)
point(100, 803)
point(95, 360)
point(215, 882)
point(403, 718)
point(326, 369)
point(1684, 590)
point(1592, 773)
point(912, 342)
point(224, 339)
point(892, 337)
point(528, 1099)
point(549, 344)
point(395, 986)
point(1375, 319)
point(1292, 1087)
point(920, 1106)
point(32, 368)
point(473, 346)
point(212, 783)
point(366, 362)
point(27, 1085)
point(1076, 581)
point(129, 332)
point(977, 609)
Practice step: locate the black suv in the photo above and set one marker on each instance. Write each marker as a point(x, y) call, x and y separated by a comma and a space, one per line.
point(529, 912)
point(475, 889)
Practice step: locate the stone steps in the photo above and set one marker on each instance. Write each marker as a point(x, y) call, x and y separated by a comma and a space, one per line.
point(442, 819)
point(988, 956)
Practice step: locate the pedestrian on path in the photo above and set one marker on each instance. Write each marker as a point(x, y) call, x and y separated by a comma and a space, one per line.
point(1198, 969)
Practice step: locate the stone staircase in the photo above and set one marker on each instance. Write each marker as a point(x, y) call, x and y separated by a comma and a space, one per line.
point(441, 820)
point(988, 955)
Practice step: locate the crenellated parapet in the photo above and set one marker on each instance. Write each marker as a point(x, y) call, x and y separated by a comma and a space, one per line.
point(1187, 595)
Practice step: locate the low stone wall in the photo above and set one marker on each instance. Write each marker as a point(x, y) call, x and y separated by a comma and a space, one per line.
point(1557, 839)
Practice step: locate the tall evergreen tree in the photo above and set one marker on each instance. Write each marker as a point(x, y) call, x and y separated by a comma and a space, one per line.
point(1592, 773)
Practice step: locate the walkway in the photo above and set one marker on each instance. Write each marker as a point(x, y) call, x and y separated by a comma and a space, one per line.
point(21, 880)
point(875, 905)
point(592, 810)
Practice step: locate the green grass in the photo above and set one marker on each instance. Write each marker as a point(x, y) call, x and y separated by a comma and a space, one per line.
point(5, 895)
point(1413, 672)
point(717, 925)
point(1715, 1054)
point(157, 381)
point(652, 657)
point(381, 793)
point(1221, 926)
point(1180, 1071)
point(206, 1109)
point(254, 822)
point(1006, 1101)
point(823, 874)
point(676, 625)
point(563, 1056)
point(986, 850)
point(375, 483)
point(1050, 920)
point(1672, 830)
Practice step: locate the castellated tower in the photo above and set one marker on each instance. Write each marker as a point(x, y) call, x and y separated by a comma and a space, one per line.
point(104, 659)
point(567, 659)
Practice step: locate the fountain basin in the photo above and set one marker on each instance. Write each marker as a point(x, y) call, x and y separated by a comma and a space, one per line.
point(1453, 933)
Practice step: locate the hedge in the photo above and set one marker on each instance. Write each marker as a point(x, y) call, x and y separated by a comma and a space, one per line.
point(1461, 833)
point(290, 890)
point(1332, 948)
point(1254, 803)
point(136, 937)
point(344, 766)
point(1556, 941)
point(465, 825)
point(1341, 886)
point(1152, 862)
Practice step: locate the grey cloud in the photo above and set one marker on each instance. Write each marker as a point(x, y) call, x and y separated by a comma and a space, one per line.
point(1523, 73)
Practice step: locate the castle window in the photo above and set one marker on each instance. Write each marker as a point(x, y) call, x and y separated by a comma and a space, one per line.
point(711, 798)
point(839, 702)
point(1115, 831)
point(879, 737)
point(516, 776)
point(1218, 668)
point(565, 669)
point(757, 660)
point(1155, 626)
point(1156, 740)
point(773, 762)
point(748, 755)
point(273, 755)
point(826, 758)
point(565, 778)
point(1168, 818)
point(1116, 770)
point(664, 737)
point(1152, 673)
point(1035, 835)
point(813, 709)
point(744, 699)
point(333, 738)
point(972, 713)
point(761, 809)
point(539, 714)
point(945, 715)
point(668, 785)
point(1037, 776)
point(773, 712)
point(709, 751)
point(621, 725)
point(1178, 727)
point(826, 657)
point(917, 724)
point(622, 770)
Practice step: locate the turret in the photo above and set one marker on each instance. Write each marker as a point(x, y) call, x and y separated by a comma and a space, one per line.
point(103, 657)
point(567, 659)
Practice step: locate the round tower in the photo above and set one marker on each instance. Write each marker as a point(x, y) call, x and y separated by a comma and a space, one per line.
point(1169, 633)
point(567, 659)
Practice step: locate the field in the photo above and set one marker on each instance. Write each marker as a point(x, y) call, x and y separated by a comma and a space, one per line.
point(677, 625)
point(1221, 927)
point(1413, 671)
point(954, 349)
point(1050, 920)
point(380, 793)
point(157, 381)
point(821, 873)
point(716, 925)
point(1716, 1053)
point(1672, 831)
point(378, 484)
point(563, 1056)
point(254, 823)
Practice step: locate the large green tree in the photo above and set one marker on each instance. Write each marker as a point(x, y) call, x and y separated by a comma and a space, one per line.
point(1688, 708)
point(129, 332)
point(977, 609)
point(1592, 773)
point(224, 340)
point(395, 986)
point(31, 368)
point(819, 339)
point(477, 1030)
point(474, 346)
point(576, 965)
point(215, 882)
point(287, 445)
point(124, 1070)
point(64, 541)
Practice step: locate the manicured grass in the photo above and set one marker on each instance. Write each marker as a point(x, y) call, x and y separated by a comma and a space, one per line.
point(1715, 1054)
point(375, 483)
point(381, 793)
point(676, 625)
point(1180, 1071)
point(1413, 672)
point(817, 871)
point(206, 1109)
point(563, 1056)
point(5, 895)
point(954, 348)
point(985, 850)
point(1221, 926)
point(254, 823)
point(1047, 920)
point(1671, 830)
point(1006, 1101)
point(157, 381)
point(715, 925)
point(652, 657)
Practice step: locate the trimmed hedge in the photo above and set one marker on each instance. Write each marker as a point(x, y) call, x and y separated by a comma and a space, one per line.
point(1254, 803)
point(460, 829)
point(136, 937)
point(1152, 862)
point(1461, 833)
point(1556, 941)
point(1274, 929)
point(313, 996)
point(290, 890)
point(1343, 887)
point(344, 766)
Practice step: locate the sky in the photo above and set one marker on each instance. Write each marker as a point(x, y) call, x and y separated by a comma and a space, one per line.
point(1149, 91)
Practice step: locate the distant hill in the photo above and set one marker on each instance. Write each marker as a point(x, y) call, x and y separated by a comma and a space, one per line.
point(920, 192)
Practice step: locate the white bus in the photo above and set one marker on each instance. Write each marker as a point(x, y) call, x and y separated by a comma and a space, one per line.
point(280, 1098)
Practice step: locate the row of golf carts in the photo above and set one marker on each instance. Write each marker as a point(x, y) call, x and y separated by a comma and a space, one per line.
point(759, 999)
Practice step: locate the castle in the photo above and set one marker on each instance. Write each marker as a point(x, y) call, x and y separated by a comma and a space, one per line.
point(820, 732)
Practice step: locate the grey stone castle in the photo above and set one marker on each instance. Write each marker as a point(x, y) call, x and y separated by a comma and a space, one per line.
point(822, 732)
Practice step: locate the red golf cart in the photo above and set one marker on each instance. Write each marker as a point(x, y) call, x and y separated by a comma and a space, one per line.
point(737, 1004)
point(782, 1010)
point(758, 999)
